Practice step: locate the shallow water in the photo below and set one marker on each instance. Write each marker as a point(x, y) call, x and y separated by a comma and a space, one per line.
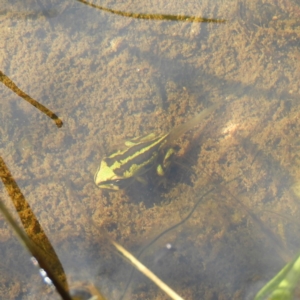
point(109, 78)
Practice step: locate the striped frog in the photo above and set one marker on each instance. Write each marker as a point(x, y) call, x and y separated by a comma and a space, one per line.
point(120, 168)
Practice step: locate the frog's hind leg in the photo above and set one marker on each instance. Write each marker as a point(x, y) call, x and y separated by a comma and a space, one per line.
point(140, 139)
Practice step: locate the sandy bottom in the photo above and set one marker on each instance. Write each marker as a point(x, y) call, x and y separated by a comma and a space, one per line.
point(233, 189)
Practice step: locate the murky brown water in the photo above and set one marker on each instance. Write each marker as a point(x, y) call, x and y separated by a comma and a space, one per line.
point(111, 77)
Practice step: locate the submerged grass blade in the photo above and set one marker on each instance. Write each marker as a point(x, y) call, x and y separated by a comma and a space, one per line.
point(11, 85)
point(180, 18)
point(32, 227)
point(27, 243)
point(136, 263)
point(283, 284)
point(165, 232)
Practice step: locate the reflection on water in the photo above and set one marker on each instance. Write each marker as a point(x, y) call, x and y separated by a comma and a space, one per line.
point(111, 78)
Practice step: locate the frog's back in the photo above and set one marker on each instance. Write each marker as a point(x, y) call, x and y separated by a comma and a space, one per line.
point(135, 159)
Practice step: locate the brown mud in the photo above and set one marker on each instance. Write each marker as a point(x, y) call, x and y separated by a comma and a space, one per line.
point(110, 78)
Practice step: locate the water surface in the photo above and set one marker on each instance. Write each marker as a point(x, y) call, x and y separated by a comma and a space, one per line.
point(110, 77)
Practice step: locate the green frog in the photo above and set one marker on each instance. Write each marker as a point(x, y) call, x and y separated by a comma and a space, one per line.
point(139, 155)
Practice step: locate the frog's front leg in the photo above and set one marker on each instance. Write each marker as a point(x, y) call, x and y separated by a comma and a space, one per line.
point(160, 169)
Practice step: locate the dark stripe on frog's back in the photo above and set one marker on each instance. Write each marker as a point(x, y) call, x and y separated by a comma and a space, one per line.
point(148, 150)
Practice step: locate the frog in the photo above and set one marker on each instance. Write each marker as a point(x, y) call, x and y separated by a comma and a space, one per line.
point(122, 167)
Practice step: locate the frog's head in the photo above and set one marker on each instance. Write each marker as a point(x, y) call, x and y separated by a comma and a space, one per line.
point(105, 177)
